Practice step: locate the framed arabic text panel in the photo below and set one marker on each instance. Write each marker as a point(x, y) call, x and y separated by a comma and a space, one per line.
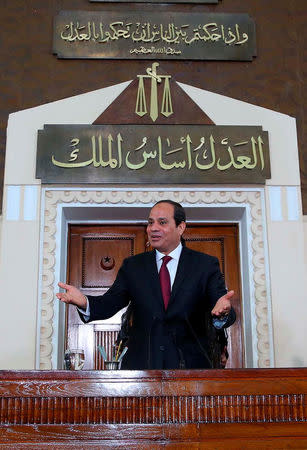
point(151, 35)
point(152, 154)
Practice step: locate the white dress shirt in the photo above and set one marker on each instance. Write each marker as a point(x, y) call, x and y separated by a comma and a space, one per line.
point(172, 264)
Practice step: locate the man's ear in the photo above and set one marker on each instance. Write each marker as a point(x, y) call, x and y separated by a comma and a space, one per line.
point(182, 227)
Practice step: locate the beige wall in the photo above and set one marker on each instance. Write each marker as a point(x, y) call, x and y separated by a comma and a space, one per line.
point(19, 281)
point(288, 285)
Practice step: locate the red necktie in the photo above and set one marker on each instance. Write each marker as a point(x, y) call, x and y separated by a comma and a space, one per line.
point(165, 281)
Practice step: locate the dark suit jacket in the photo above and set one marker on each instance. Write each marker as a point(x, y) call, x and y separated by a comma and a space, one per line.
point(159, 339)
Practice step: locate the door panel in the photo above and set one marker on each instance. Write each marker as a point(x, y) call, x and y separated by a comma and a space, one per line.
point(222, 241)
point(96, 252)
point(95, 255)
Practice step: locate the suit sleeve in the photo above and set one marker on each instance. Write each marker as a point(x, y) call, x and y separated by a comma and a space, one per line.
point(215, 283)
point(216, 289)
point(117, 297)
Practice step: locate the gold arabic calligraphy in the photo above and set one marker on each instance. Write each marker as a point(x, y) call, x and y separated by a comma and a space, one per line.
point(153, 33)
point(203, 155)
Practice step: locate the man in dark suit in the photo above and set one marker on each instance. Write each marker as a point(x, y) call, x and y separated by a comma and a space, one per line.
point(171, 299)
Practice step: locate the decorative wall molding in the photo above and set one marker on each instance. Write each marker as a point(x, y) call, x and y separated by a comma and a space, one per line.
point(53, 198)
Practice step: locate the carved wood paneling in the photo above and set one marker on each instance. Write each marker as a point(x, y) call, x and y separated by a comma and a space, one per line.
point(150, 410)
point(94, 248)
point(154, 408)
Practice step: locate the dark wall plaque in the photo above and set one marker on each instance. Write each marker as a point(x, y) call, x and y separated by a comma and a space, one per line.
point(152, 35)
point(152, 154)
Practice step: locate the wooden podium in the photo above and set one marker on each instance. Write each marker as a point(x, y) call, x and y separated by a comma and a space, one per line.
point(232, 408)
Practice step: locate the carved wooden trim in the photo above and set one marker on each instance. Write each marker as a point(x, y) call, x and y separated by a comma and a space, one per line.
point(158, 410)
point(66, 197)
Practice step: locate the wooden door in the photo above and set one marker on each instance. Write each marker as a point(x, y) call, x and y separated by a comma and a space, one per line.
point(95, 253)
point(222, 241)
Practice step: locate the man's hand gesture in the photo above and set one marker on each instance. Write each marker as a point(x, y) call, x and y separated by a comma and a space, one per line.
point(72, 295)
point(223, 305)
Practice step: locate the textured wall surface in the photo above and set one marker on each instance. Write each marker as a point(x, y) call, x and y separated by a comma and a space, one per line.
point(31, 75)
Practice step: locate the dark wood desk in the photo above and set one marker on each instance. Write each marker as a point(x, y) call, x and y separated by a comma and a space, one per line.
point(233, 409)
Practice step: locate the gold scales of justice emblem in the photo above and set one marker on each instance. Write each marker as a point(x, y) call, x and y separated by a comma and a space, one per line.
point(141, 104)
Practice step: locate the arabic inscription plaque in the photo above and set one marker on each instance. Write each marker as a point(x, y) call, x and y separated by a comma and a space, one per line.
point(152, 35)
point(180, 154)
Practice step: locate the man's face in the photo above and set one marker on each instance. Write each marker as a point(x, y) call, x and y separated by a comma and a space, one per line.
point(162, 232)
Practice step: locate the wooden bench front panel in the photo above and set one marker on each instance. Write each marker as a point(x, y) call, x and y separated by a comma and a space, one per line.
point(151, 409)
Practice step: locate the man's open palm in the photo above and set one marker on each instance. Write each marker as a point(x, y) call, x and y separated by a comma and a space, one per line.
point(72, 295)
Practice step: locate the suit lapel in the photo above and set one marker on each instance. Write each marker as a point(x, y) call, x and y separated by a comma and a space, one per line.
point(180, 274)
point(153, 278)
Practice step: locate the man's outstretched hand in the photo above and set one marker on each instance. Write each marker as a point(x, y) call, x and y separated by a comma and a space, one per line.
point(223, 305)
point(72, 295)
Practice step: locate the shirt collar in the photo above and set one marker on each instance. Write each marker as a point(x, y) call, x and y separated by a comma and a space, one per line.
point(175, 254)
